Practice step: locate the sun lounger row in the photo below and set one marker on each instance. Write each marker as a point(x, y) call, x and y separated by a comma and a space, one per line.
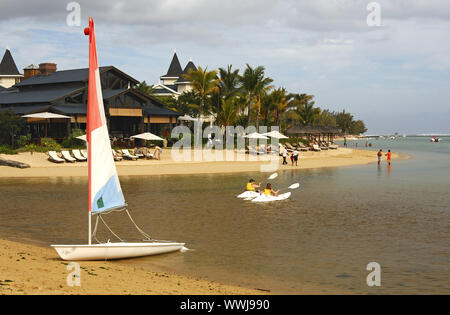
point(320, 146)
point(77, 156)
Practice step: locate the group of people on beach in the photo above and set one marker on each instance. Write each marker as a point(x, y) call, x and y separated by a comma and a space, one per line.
point(388, 155)
point(269, 191)
point(294, 157)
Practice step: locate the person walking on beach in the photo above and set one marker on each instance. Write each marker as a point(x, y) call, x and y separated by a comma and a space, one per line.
point(389, 157)
point(295, 157)
point(285, 153)
point(380, 155)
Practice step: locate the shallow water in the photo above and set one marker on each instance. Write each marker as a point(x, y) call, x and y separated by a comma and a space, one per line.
point(320, 240)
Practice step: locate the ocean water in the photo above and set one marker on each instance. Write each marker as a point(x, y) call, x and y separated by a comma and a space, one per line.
point(319, 241)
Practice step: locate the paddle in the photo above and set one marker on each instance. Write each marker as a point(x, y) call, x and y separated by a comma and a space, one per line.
point(292, 187)
point(273, 176)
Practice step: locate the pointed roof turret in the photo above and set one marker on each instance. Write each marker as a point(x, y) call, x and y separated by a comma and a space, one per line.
point(8, 66)
point(174, 69)
point(190, 66)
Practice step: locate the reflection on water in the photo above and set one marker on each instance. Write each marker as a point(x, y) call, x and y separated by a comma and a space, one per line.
point(320, 240)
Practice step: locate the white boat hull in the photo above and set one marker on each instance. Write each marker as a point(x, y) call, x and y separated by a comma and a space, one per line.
point(112, 251)
point(248, 194)
point(267, 198)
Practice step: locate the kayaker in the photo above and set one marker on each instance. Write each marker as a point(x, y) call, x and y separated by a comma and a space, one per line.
point(269, 191)
point(251, 186)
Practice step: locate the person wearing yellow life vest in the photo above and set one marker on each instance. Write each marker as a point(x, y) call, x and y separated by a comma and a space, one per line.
point(269, 191)
point(251, 186)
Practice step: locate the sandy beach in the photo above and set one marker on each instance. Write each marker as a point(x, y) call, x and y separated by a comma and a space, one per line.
point(41, 167)
point(29, 269)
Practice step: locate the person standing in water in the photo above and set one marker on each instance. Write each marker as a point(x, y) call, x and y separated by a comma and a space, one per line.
point(389, 157)
point(345, 142)
point(251, 186)
point(380, 155)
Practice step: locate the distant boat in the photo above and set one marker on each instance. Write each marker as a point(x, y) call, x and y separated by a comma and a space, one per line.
point(105, 193)
point(435, 139)
point(392, 138)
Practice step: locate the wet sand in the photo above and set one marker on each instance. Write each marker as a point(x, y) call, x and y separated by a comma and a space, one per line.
point(29, 269)
point(41, 167)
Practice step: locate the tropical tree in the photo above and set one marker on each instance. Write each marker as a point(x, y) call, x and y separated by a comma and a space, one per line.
point(280, 103)
point(145, 88)
point(228, 113)
point(204, 83)
point(344, 121)
point(255, 84)
point(10, 126)
point(229, 84)
point(303, 107)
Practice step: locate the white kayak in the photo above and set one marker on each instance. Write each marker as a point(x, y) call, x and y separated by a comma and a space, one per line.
point(248, 194)
point(268, 198)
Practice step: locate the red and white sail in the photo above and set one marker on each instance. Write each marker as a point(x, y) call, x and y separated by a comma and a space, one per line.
point(105, 192)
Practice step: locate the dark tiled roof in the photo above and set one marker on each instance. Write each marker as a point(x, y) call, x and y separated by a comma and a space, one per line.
point(22, 110)
point(39, 96)
point(153, 110)
point(71, 108)
point(8, 66)
point(166, 91)
point(174, 68)
point(65, 76)
point(112, 92)
point(190, 66)
point(2, 88)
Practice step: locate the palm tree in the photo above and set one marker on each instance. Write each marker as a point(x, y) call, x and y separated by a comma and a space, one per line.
point(303, 108)
point(204, 83)
point(145, 88)
point(254, 83)
point(228, 112)
point(229, 82)
point(280, 103)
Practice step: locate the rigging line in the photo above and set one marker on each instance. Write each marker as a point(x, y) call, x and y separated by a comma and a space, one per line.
point(110, 229)
point(149, 238)
point(94, 232)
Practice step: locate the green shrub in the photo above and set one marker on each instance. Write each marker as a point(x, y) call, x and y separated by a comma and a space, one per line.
point(50, 145)
point(72, 141)
point(6, 149)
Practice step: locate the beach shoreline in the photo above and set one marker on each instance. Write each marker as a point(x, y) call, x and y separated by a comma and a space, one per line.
point(41, 167)
point(37, 270)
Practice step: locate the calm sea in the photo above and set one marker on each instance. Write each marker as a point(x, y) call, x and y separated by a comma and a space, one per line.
point(321, 240)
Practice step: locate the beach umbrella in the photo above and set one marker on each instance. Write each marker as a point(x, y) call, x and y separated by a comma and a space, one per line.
point(186, 118)
point(82, 138)
point(275, 134)
point(255, 135)
point(46, 116)
point(148, 136)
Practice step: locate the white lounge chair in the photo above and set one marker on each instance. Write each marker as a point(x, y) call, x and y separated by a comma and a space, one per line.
point(67, 157)
point(316, 148)
point(116, 156)
point(84, 154)
point(77, 155)
point(53, 157)
point(127, 155)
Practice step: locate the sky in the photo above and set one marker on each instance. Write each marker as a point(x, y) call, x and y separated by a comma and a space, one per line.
point(395, 76)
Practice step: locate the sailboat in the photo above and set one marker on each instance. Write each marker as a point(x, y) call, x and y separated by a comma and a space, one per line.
point(105, 192)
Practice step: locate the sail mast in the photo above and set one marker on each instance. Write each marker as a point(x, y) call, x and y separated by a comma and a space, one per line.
point(105, 192)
